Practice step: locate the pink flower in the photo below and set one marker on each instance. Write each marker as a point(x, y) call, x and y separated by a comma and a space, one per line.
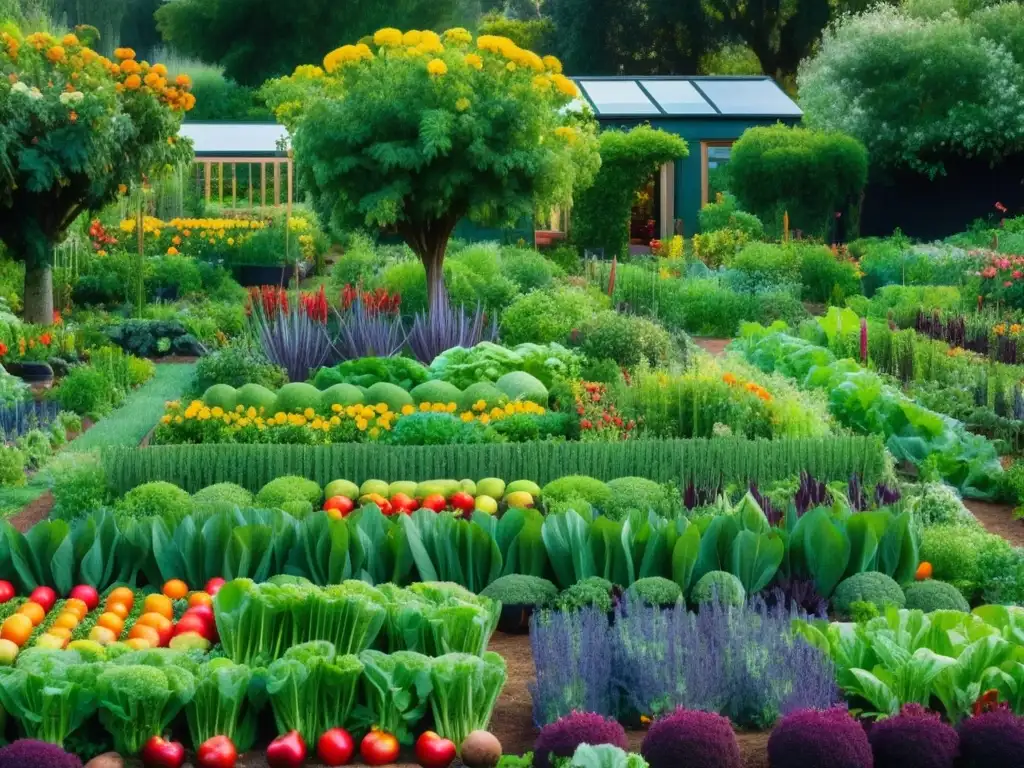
point(988, 272)
point(1007, 284)
point(1017, 274)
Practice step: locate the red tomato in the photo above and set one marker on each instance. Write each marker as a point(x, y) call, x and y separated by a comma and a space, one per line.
point(378, 748)
point(204, 612)
point(403, 503)
point(45, 596)
point(213, 586)
point(434, 752)
point(335, 747)
point(87, 595)
point(288, 751)
point(463, 502)
point(159, 753)
point(6, 591)
point(192, 623)
point(341, 503)
point(434, 502)
point(217, 752)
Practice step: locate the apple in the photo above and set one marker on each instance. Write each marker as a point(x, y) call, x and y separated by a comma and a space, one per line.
point(160, 753)
point(335, 747)
point(45, 596)
point(486, 504)
point(288, 751)
point(401, 502)
point(217, 752)
point(213, 586)
point(192, 623)
point(434, 502)
point(87, 595)
point(434, 752)
point(342, 504)
point(6, 591)
point(462, 501)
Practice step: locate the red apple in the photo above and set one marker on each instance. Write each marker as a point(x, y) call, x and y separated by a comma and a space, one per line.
point(213, 586)
point(463, 502)
point(341, 503)
point(87, 595)
point(434, 752)
point(335, 747)
point(193, 623)
point(6, 591)
point(400, 502)
point(160, 753)
point(217, 752)
point(45, 596)
point(378, 748)
point(288, 751)
point(434, 502)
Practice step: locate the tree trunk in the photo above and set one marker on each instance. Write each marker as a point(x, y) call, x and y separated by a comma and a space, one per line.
point(433, 263)
point(429, 241)
point(38, 293)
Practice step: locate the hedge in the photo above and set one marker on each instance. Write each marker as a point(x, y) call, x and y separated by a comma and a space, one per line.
point(703, 462)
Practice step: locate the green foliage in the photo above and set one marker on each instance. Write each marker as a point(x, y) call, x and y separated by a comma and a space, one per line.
point(438, 429)
point(810, 174)
point(12, 466)
point(236, 365)
point(776, 264)
point(577, 486)
point(367, 371)
point(489, 362)
point(628, 160)
point(656, 590)
point(718, 586)
point(628, 493)
point(136, 701)
point(918, 91)
point(531, 34)
point(296, 397)
point(86, 391)
point(626, 339)
point(289, 488)
point(549, 315)
point(392, 395)
point(79, 485)
point(590, 592)
point(825, 277)
point(221, 98)
point(519, 385)
point(436, 392)
point(529, 269)
point(521, 589)
point(225, 703)
point(357, 264)
point(222, 495)
point(932, 595)
point(725, 214)
point(159, 499)
point(869, 587)
point(465, 690)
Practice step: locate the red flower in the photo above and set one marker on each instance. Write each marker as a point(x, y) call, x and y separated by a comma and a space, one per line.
point(45, 339)
point(606, 417)
point(585, 424)
point(3, 349)
point(1007, 284)
point(579, 411)
point(57, 319)
point(1000, 207)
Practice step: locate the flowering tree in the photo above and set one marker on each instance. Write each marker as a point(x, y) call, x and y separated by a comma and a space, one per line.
point(74, 128)
point(416, 131)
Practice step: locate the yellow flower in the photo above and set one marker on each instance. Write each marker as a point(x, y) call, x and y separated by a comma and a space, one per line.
point(124, 53)
point(231, 241)
point(375, 433)
point(69, 40)
point(485, 419)
point(317, 423)
point(55, 54)
point(451, 407)
point(165, 419)
point(412, 37)
point(217, 411)
point(361, 424)
point(429, 42)
point(381, 408)
point(479, 405)
point(565, 86)
point(424, 406)
point(458, 36)
point(309, 413)
point(133, 82)
point(204, 414)
point(335, 421)
point(347, 54)
point(408, 410)
point(336, 408)
point(466, 416)
point(172, 251)
point(511, 66)
point(130, 67)
point(388, 37)
point(436, 67)
point(542, 83)
point(462, 104)
point(566, 133)
point(551, 64)
point(474, 61)
point(250, 412)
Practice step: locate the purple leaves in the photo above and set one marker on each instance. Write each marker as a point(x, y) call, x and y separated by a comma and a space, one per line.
point(292, 339)
point(367, 332)
point(442, 327)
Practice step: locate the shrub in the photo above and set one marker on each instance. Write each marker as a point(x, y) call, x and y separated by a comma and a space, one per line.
point(12, 466)
point(357, 263)
point(810, 738)
point(768, 262)
point(403, 372)
point(725, 214)
point(522, 589)
point(713, 249)
point(718, 587)
point(438, 429)
point(237, 365)
point(433, 392)
point(992, 740)
point(578, 486)
point(691, 737)
point(954, 552)
point(915, 738)
point(297, 508)
point(221, 98)
point(562, 737)
point(629, 493)
point(86, 391)
point(37, 754)
point(933, 595)
point(157, 499)
point(547, 316)
point(221, 396)
point(626, 339)
point(179, 275)
point(869, 587)
point(391, 395)
point(810, 174)
point(483, 391)
point(222, 494)
point(528, 269)
point(519, 385)
point(296, 397)
point(79, 485)
point(655, 590)
point(288, 488)
point(593, 591)
point(824, 276)
point(937, 504)
point(256, 396)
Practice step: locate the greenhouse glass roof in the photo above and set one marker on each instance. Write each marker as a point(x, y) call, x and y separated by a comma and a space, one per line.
point(235, 139)
point(647, 97)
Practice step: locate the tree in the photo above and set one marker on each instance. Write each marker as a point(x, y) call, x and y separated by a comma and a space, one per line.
point(533, 34)
point(414, 133)
point(73, 127)
point(628, 159)
point(255, 40)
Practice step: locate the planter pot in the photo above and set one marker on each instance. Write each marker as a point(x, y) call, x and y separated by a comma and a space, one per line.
point(515, 619)
point(36, 374)
point(255, 275)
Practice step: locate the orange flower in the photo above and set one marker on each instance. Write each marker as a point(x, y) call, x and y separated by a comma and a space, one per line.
point(45, 339)
point(183, 81)
point(729, 379)
point(133, 82)
point(3, 349)
point(924, 571)
point(130, 66)
point(73, 117)
point(55, 54)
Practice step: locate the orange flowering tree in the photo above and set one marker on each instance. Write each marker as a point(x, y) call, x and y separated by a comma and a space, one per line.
point(415, 131)
point(74, 127)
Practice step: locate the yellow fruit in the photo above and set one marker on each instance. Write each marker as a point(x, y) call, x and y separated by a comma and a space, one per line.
point(66, 621)
point(119, 609)
point(138, 644)
point(111, 621)
point(8, 652)
point(159, 604)
point(102, 635)
point(62, 632)
point(77, 607)
point(121, 595)
point(17, 629)
point(35, 612)
point(519, 500)
point(51, 641)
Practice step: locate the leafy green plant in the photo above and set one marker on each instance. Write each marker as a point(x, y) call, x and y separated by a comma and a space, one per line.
point(12, 466)
point(626, 339)
point(489, 362)
point(237, 365)
point(226, 701)
point(548, 315)
point(464, 691)
point(367, 371)
point(86, 391)
point(137, 700)
point(725, 214)
point(158, 498)
point(397, 689)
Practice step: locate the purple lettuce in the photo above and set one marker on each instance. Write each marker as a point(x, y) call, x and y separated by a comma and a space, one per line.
point(562, 737)
point(691, 738)
point(992, 740)
point(915, 738)
point(812, 738)
point(29, 753)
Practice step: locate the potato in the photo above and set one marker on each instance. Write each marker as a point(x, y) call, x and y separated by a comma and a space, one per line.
point(106, 760)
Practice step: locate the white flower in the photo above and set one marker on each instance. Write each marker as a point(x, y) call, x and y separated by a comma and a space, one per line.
point(72, 97)
point(35, 93)
point(19, 87)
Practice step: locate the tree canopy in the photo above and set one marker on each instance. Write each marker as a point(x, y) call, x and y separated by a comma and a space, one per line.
point(74, 126)
point(415, 131)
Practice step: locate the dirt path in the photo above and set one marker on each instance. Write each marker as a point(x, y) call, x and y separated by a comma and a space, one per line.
point(998, 519)
point(715, 347)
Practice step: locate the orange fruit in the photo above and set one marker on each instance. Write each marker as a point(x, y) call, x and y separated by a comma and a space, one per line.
point(77, 607)
point(138, 644)
point(16, 628)
point(924, 571)
point(160, 623)
point(143, 632)
point(34, 611)
point(62, 632)
point(199, 598)
point(121, 595)
point(175, 589)
point(111, 621)
point(121, 609)
point(65, 621)
point(159, 604)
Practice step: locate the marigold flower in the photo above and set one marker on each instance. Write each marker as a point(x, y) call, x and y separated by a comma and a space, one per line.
point(458, 35)
point(183, 81)
point(437, 67)
point(412, 37)
point(566, 133)
point(129, 66)
point(388, 37)
point(124, 53)
point(55, 54)
point(462, 104)
point(552, 64)
point(172, 251)
point(474, 60)
point(160, 70)
point(565, 86)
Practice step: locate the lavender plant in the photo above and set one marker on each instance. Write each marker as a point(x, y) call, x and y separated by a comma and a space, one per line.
point(292, 339)
point(443, 327)
point(364, 332)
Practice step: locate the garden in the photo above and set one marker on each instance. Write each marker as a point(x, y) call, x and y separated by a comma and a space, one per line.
point(335, 483)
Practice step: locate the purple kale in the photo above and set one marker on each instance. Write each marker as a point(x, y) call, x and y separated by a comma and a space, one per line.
point(692, 738)
point(992, 740)
point(915, 738)
point(773, 513)
point(37, 754)
point(561, 738)
point(812, 738)
point(800, 595)
point(694, 497)
point(855, 493)
point(811, 493)
point(887, 495)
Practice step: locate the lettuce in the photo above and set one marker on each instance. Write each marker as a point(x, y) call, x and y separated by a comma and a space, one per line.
point(489, 362)
point(226, 702)
point(465, 689)
point(396, 689)
point(137, 701)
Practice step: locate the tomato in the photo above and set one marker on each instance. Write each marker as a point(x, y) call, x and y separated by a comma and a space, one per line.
point(463, 502)
point(342, 504)
point(288, 751)
point(45, 596)
point(192, 623)
point(335, 747)
point(111, 621)
point(143, 632)
point(6, 591)
point(199, 598)
point(35, 612)
point(175, 589)
point(75, 606)
point(434, 502)
point(217, 752)
point(378, 748)
point(213, 586)
point(204, 612)
point(159, 604)
point(17, 629)
point(160, 623)
point(121, 595)
point(159, 753)
point(87, 595)
point(403, 503)
point(434, 752)
point(119, 609)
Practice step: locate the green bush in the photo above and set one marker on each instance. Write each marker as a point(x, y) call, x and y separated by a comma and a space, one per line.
point(288, 488)
point(521, 589)
point(367, 371)
point(628, 493)
point(173, 273)
point(297, 508)
point(824, 276)
point(220, 98)
point(236, 365)
point(528, 269)
point(222, 495)
point(482, 391)
point(809, 174)
point(296, 397)
point(519, 385)
point(933, 595)
point(869, 587)
point(437, 429)
point(953, 552)
point(905, 301)
point(720, 586)
point(12, 466)
point(222, 396)
point(435, 392)
point(769, 262)
point(79, 485)
point(656, 590)
point(547, 316)
point(566, 257)
point(156, 499)
point(256, 396)
point(724, 214)
point(594, 491)
point(626, 339)
point(357, 264)
point(391, 395)
point(86, 391)
point(591, 592)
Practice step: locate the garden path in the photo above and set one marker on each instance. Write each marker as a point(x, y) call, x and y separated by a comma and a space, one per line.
point(713, 346)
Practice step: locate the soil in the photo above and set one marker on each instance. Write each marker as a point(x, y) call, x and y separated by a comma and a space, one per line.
point(715, 347)
point(998, 519)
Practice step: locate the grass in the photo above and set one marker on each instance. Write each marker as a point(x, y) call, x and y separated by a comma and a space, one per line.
point(125, 426)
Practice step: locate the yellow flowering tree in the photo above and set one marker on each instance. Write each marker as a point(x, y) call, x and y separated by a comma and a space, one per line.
point(415, 131)
point(73, 127)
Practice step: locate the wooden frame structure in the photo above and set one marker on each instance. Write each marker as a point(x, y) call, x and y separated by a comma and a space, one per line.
point(210, 168)
point(705, 166)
